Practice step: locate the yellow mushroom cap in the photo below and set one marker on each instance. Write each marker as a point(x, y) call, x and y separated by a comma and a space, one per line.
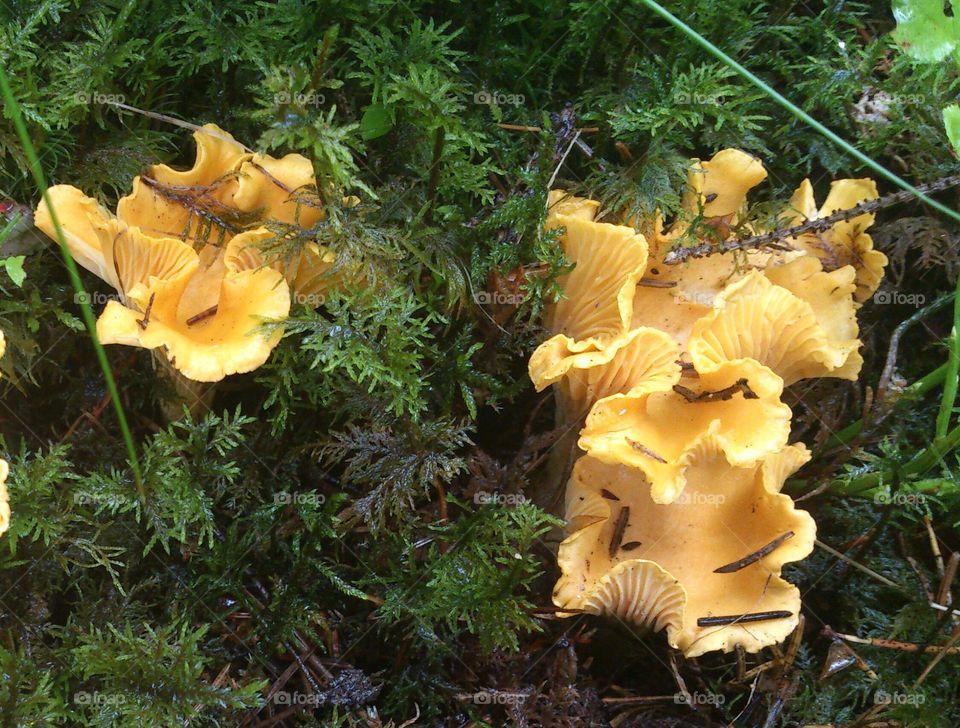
point(269, 185)
point(642, 356)
point(662, 571)
point(755, 319)
point(598, 292)
point(561, 202)
point(846, 242)
point(203, 309)
point(156, 204)
point(206, 342)
point(719, 185)
point(4, 497)
point(88, 228)
point(658, 430)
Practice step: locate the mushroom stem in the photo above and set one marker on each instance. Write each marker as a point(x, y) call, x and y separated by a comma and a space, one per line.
point(195, 396)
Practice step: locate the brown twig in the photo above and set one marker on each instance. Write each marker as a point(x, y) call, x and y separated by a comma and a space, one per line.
point(725, 620)
point(722, 395)
point(817, 225)
point(521, 127)
point(896, 645)
point(640, 447)
point(618, 531)
point(203, 315)
point(755, 556)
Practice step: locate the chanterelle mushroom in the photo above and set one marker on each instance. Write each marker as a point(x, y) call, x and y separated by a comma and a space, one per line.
point(658, 427)
point(681, 377)
point(794, 337)
point(846, 242)
point(591, 320)
point(203, 310)
point(184, 253)
point(4, 497)
point(705, 567)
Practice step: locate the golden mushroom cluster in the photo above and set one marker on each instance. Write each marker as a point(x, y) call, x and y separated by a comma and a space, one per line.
point(185, 252)
point(675, 514)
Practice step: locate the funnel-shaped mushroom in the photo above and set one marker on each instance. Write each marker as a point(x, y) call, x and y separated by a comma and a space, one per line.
point(562, 203)
point(846, 242)
point(269, 187)
point(197, 204)
point(598, 295)
point(755, 319)
point(207, 318)
point(717, 188)
point(658, 430)
point(203, 310)
point(706, 567)
point(642, 356)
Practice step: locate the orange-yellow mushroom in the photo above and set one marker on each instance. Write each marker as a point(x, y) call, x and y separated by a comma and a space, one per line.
point(655, 565)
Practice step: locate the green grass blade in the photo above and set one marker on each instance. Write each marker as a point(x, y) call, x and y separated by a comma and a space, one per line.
point(796, 110)
point(13, 109)
point(953, 371)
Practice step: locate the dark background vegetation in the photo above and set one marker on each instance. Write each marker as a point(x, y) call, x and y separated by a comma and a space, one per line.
point(318, 530)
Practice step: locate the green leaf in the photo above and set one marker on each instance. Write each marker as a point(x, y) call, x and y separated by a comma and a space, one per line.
point(924, 30)
point(14, 268)
point(376, 122)
point(951, 120)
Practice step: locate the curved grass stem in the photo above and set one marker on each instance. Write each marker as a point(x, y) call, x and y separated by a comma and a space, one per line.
point(953, 370)
point(36, 170)
point(796, 110)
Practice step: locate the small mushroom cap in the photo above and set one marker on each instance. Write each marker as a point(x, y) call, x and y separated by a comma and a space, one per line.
point(665, 577)
point(561, 202)
point(679, 295)
point(213, 176)
point(846, 242)
point(269, 186)
point(658, 431)
point(641, 356)
point(598, 292)
point(88, 228)
point(204, 343)
point(724, 179)
point(755, 319)
point(4, 497)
